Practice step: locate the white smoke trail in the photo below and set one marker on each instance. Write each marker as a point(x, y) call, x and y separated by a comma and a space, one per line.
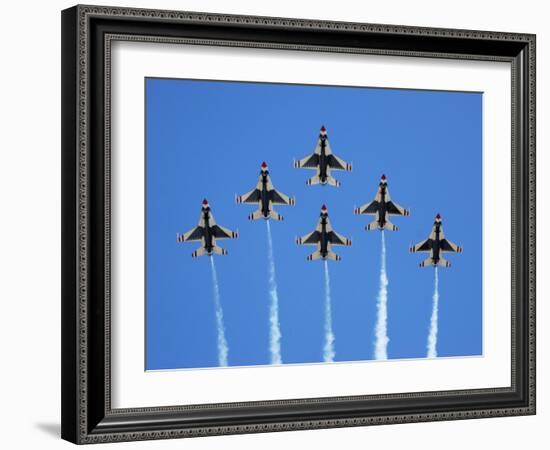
point(274, 329)
point(381, 343)
point(432, 337)
point(329, 352)
point(223, 349)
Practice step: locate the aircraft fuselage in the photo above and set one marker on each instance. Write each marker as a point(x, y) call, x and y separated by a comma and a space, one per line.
point(436, 248)
point(382, 208)
point(264, 197)
point(323, 162)
point(323, 242)
point(208, 243)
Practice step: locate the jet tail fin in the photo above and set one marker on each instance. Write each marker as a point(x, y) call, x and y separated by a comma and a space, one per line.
point(275, 215)
point(430, 262)
point(330, 255)
point(256, 215)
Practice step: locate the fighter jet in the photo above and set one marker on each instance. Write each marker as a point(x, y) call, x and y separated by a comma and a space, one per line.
point(436, 244)
point(265, 196)
point(324, 238)
point(207, 232)
point(382, 207)
point(323, 161)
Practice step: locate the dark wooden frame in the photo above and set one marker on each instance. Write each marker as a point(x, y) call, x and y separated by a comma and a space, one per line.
point(87, 31)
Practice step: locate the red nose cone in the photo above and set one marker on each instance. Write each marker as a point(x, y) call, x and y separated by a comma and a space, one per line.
point(264, 165)
point(438, 217)
point(323, 129)
point(205, 202)
point(383, 177)
point(323, 208)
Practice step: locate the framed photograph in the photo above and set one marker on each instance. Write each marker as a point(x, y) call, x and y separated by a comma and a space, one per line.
point(233, 261)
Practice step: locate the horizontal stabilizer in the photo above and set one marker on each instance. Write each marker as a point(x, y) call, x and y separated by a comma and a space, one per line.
point(199, 252)
point(390, 226)
point(313, 180)
point(333, 181)
point(314, 255)
point(256, 215)
point(275, 216)
point(374, 225)
point(333, 256)
point(427, 262)
point(219, 251)
point(330, 255)
point(443, 263)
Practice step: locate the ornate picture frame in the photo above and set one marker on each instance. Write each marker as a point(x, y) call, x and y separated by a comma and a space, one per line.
point(88, 33)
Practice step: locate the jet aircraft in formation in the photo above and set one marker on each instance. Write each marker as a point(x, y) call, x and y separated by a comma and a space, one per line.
point(207, 232)
point(324, 237)
point(382, 207)
point(323, 161)
point(265, 196)
point(436, 245)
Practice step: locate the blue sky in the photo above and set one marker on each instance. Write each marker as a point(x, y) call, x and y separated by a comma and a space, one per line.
point(208, 139)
